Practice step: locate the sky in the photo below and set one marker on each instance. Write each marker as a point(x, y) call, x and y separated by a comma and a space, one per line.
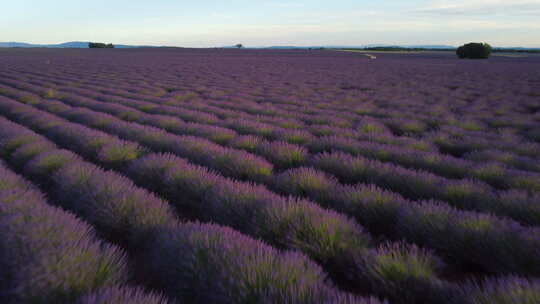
point(210, 23)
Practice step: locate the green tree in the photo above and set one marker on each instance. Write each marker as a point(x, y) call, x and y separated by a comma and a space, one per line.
point(474, 50)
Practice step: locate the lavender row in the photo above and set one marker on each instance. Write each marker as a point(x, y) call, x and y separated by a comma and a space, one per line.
point(251, 209)
point(280, 154)
point(258, 212)
point(402, 125)
point(406, 102)
point(287, 130)
point(169, 123)
point(246, 109)
point(145, 224)
point(368, 127)
point(273, 223)
point(279, 127)
point(288, 135)
point(459, 145)
point(121, 295)
point(243, 126)
point(264, 215)
point(285, 222)
point(230, 162)
point(285, 155)
point(120, 211)
point(504, 158)
point(298, 136)
point(468, 239)
point(255, 125)
point(319, 127)
point(417, 185)
point(411, 88)
point(504, 290)
point(292, 157)
point(16, 111)
point(110, 150)
point(440, 164)
point(46, 254)
point(382, 105)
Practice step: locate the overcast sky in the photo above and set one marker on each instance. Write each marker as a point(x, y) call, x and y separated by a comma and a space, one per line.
point(207, 23)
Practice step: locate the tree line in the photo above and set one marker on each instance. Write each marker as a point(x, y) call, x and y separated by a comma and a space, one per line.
point(99, 45)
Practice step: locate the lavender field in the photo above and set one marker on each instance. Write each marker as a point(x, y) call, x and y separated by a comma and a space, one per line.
point(262, 176)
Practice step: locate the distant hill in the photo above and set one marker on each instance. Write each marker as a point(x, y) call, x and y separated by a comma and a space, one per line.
point(84, 45)
point(72, 44)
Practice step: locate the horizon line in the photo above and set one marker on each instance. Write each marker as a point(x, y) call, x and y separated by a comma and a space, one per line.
point(272, 45)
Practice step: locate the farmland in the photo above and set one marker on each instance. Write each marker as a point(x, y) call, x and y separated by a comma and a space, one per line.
point(258, 176)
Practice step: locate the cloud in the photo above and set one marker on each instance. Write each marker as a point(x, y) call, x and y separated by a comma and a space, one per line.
point(482, 7)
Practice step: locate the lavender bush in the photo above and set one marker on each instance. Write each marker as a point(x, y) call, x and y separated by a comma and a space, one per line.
point(46, 254)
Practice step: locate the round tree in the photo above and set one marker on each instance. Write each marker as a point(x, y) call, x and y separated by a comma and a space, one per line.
point(474, 50)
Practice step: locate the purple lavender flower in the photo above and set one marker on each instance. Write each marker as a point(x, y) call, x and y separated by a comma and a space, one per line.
point(121, 295)
point(46, 254)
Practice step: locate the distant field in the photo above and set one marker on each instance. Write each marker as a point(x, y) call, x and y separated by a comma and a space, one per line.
point(258, 176)
point(514, 55)
point(393, 52)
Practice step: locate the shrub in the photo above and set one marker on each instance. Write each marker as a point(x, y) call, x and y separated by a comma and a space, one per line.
point(293, 136)
point(307, 182)
point(249, 127)
point(220, 265)
point(406, 127)
point(228, 161)
point(476, 240)
point(375, 208)
point(246, 142)
point(500, 290)
point(283, 222)
point(283, 155)
point(216, 134)
point(404, 273)
point(474, 50)
point(520, 205)
point(46, 254)
point(26, 152)
point(13, 136)
point(118, 154)
point(109, 201)
point(47, 163)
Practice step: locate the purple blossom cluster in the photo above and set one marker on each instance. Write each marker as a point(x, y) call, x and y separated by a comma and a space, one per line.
point(467, 194)
point(146, 226)
point(121, 295)
point(48, 255)
point(421, 222)
point(261, 176)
